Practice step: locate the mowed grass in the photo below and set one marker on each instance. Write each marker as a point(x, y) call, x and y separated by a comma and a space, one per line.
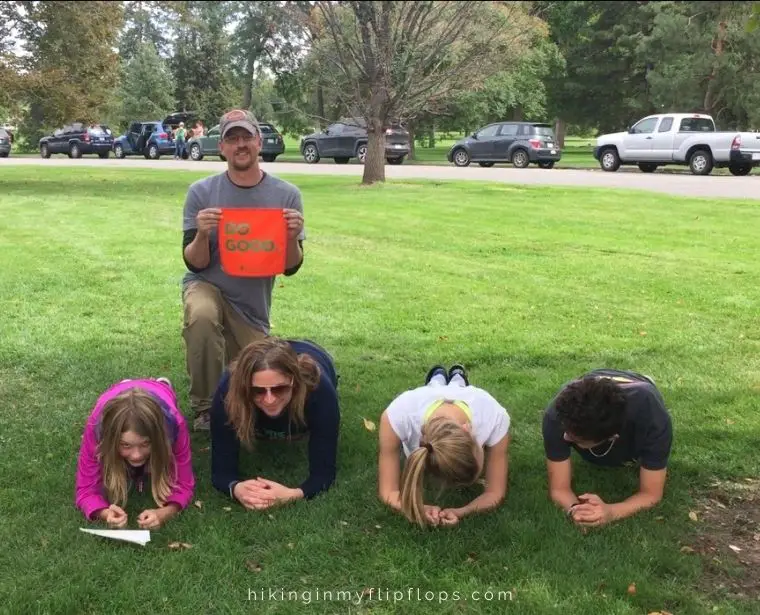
point(529, 287)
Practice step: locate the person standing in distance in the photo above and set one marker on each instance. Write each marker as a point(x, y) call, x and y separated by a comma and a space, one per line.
point(224, 313)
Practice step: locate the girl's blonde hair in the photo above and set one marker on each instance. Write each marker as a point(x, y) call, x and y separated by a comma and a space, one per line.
point(138, 411)
point(446, 452)
point(268, 353)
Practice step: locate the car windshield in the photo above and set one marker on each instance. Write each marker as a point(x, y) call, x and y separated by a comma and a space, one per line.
point(266, 128)
point(543, 131)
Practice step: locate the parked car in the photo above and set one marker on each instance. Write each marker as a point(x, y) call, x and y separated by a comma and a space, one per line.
point(77, 139)
point(675, 138)
point(520, 143)
point(347, 139)
point(272, 144)
point(6, 143)
point(151, 139)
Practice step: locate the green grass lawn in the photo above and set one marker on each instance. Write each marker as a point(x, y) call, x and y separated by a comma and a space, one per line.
point(528, 286)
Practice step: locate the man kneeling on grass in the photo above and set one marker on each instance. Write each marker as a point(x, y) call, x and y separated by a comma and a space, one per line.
point(611, 418)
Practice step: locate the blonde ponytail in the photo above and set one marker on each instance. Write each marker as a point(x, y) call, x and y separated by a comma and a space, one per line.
point(447, 452)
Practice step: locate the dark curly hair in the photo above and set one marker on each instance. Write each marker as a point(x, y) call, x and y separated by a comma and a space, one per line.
point(591, 408)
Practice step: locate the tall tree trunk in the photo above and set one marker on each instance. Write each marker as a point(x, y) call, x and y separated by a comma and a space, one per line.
point(248, 85)
point(712, 96)
point(559, 131)
point(517, 114)
point(321, 106)
point(431, 137)
point(374, 163)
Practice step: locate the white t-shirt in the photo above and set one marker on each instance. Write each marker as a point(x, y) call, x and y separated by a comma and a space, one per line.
point(406, 413)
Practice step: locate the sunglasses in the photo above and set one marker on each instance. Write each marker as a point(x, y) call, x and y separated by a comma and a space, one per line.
point(277, 390)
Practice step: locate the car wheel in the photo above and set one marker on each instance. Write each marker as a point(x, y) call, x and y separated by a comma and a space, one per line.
point(104, 155)
point(4, 155)
point(44, 152)
point(195, 152)
point(395, 161)
point(701, 162)
point(520, 159)
point(311, 154)
point(486, 165)
point(609, 160)
point(647, 167)
point(153, 152)
point(341, 160)
point(268, 157)
point(118, 151)
point(546, 164)
point(361, 153)
point(740, 169)
point(461, 158)
point(74, 151)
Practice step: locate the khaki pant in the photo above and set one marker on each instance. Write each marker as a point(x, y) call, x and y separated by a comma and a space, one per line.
point(214, 335)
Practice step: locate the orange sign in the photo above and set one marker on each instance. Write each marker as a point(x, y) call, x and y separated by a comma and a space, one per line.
point(252, 242)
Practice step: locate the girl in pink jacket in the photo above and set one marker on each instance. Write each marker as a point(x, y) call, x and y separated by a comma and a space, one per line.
point(135, 431)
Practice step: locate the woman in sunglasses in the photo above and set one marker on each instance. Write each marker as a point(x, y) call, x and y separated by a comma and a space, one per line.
point(275, 390)
point(611, 418)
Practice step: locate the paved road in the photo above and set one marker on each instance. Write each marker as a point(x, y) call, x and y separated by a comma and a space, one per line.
point(669, 183)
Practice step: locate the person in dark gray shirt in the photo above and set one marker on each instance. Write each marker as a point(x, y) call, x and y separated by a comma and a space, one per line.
point(610, 418)
point(224, 313)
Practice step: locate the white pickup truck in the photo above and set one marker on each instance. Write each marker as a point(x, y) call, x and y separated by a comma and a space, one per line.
point(679, 138)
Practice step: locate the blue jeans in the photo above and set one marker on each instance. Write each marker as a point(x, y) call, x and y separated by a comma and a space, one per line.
point(179, 148)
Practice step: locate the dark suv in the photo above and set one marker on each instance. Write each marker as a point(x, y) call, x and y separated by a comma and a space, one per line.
point(77, 139)
point(517, 142)
point(347, 139)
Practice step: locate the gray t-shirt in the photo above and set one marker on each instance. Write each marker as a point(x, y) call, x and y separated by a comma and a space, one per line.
point(251, 297)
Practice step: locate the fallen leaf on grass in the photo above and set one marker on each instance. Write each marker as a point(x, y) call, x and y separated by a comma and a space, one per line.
point(443, 338)
point(344, 522)
point(291, 545)
point(693, 516)
point(642, 333)
point(660, 518)
point(687, 549)
point(378, 527)
point(471, 558)
point(632, 589)
point(660, 613)
point(369, 425)
point(734, 549)
point(271, 517)
point(253, 566)
point(198, 504)
point(729, 422)
point(358, 387)
point(203, 450)
point(227, 509)
point(178, 546)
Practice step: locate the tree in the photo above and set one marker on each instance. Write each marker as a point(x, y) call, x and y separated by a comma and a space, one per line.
point(70, 68)
point(604, 84)
point(146, 90)
point(201, 62)
point(704, 58)
point(389, 61)
point(147, 22)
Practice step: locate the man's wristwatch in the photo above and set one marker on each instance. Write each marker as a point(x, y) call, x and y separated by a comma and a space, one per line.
point(232, 488)
point(569, 512)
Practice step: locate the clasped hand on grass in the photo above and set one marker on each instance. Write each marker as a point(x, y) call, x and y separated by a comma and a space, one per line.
point(592, 511)
point(260, 493)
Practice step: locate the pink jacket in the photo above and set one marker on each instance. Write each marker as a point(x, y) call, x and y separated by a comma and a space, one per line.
point(90, 497)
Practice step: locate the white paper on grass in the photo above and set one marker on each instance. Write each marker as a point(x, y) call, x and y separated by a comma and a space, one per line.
point(140, 537)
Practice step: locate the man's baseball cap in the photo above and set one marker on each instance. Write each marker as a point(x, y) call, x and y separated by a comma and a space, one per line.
point(238, 118)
